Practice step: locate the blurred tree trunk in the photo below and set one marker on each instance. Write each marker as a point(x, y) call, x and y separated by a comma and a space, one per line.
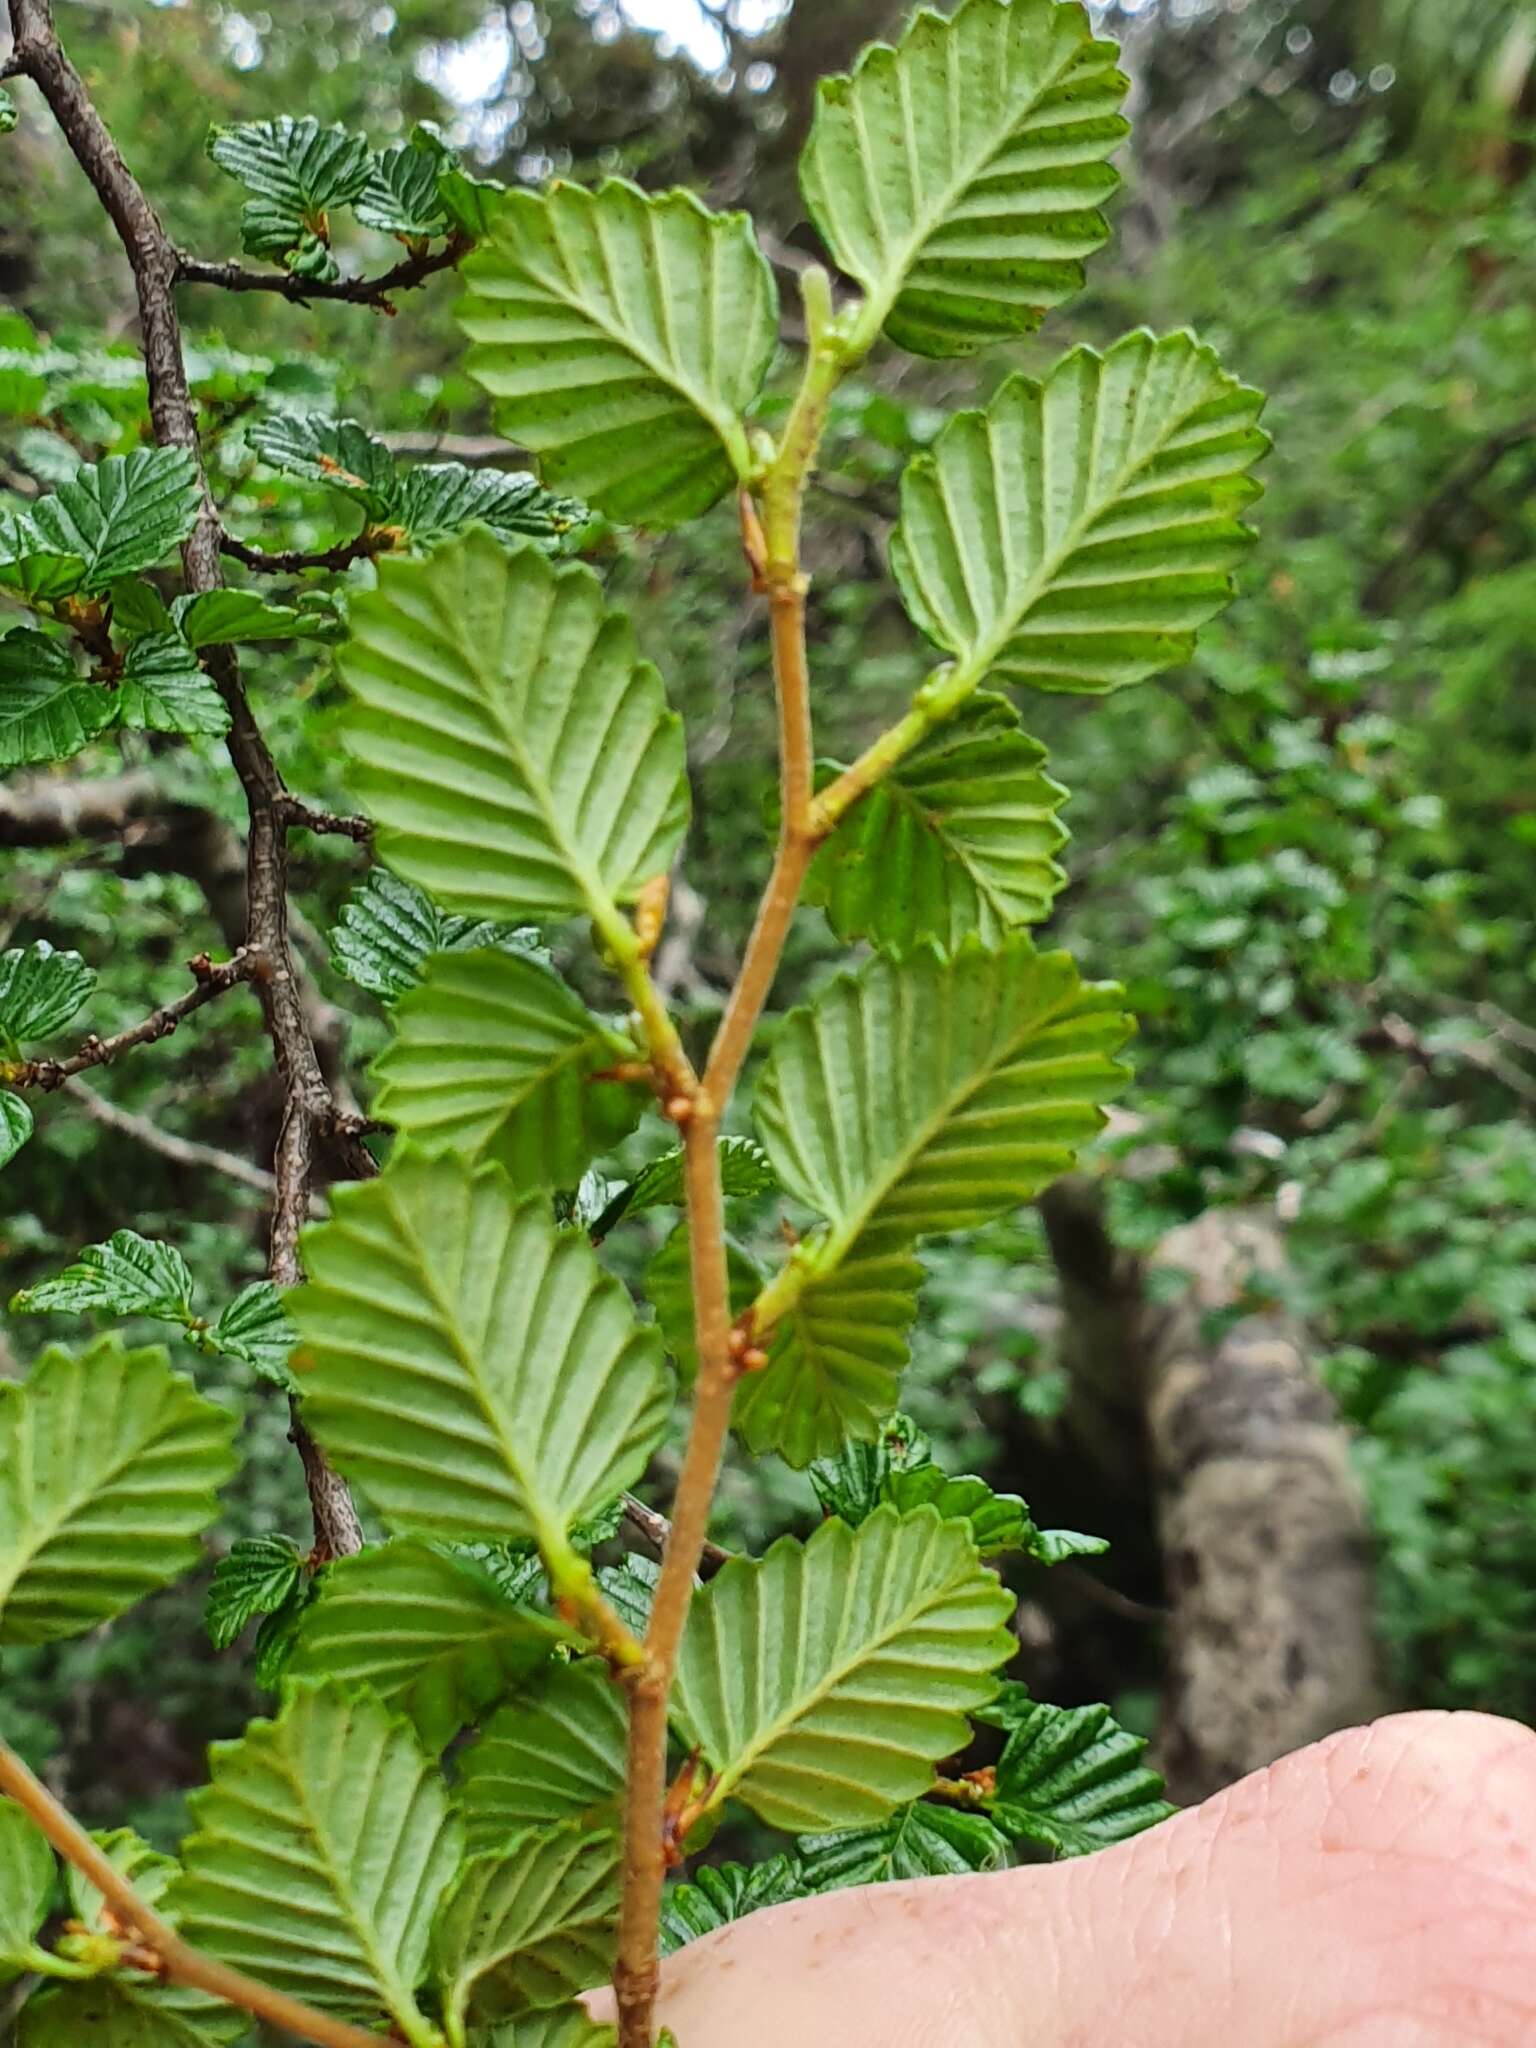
point(822, 37)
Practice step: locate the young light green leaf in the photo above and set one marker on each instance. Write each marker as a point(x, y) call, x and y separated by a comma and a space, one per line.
point(959, 176)
point(959, 838)
point(145, 1868)
point(494, 1056)
point(108, 1468)
point(517, 754)
point(555, 1755)
point(163, 688)
point(725, 1892)
point(565, 2026)
point(48, 710)
point(388, 927)
point(255, 1328)
point(1071, 1779)
point(324, 1845)
point(917, 1841)
point(258, 1576)
point(121, 514)
point(401, 195)
point(468, 1363)
point(437, 499)
point(15, 1125)
point(214, 617)
point(623, 337)
point(297, 171)
point(528, 1926)
point(1056, 1546)
point(852, 1484)
point(430, 1632)
point(129, 1275)
point(824, 1680)
point(27, 1874)
point(1077, 533)
point(340, 453)
point(40, 990)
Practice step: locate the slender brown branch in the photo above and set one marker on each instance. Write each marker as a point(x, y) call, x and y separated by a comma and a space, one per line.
point(295, 812)
point(168, 1144)
point(210, 980)
point(293, 561)
point(179, 1962)
point(655, 1531)
point(300, 291)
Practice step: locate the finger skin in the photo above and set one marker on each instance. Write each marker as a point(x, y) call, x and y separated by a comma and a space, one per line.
point(1375, 1891)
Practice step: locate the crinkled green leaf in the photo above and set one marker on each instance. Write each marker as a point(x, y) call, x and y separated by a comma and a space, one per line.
point(126, 2012)
point(494, 1056)
point(257, 1329)
point(257, 1576)
point(341, 453)
point(48, 710)
point(15, 1125)
point(1077, 533)
point(401, 195)
point(8, 114)
point(215, 616)
point(323, 1846)
point(852, 1483)
point(824, 1680)
point(40, 990)
point(430, 1632)
point(555, 1755)
point(388, 927)
point(529, 1925)
point(744, 1171)
point(471, 203)
point(279, 1632)
point(109, 1465)
point(163, 688)
point(30, 566)
point(468, 1363)
point(561, 2027)
point(123, 513)
point(724, 1892)
point(297, 171)
point(629, 1587)
point(959, 176)
point(518, 755)
point(1056, 1546)
point(623, 336)
point(959, 838)
point(920, 1840)
point(27, 1874)
point(436, 499)
point(145, 1868)
point(129, 1275)
point(998, 1522)
point(1072, 1779)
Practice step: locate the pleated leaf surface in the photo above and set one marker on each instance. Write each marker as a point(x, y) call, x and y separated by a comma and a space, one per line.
point(530, 1925)
point(555, 1755)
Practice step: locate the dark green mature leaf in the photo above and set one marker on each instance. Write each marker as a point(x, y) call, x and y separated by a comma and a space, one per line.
point(126, 2012)
point(437, 499)
point(824, 1680)
point(1071, 1779)
point(471, 202)
point(401, 195)
point(297, 171)
point(40, 990)
point(562, 2027)
point(216, 616)
point(725, 1892)
point(29, 566)
point(517, 754)
point(852, 1483)
point(555, 1755)
point(529, 1925)
point(129, 1275)
point(494, 1056)
point(920, 1840)
point(48, 710)
point(124, 513)
point(257, 1329)
point(998, 1521)
point(163, 688)
point(623, 336)
point(258, 1576)
point(279, 1632)
point(137, 607)
point(959, 176)
point(430, 1632)
point(15, 1125)
point(27, 1873)
point(744, 1172)
point(959, 838)
point(324, 1844)
point(629, 1587)
point(1077, 533)
point(388, 927)
point(108, 1468)
point(470, 1364)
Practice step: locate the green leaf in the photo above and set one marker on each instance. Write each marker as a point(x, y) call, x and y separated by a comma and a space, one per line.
point(556, 1755)
point(1056, 1546)
point(917, 1841)
point(258, 1576)
point(564, 2027)
point(1071, 1779)
point(1077, 533)
point(528, 1926)
point(126, 2012)
point(430, 1632)
point(30, 566)
point(137, 607)
point(340, 453)
point(215, 617)
point(297, 171)
point(959, 838)
point(388, 927)
point(27, 1873)
point(623, 337)
point(725, 1892)
point(40, 990)
point(15, 1125)
point(980, 1075)
point(279, 1632)
point(494, 1056)
point(629, 1587)
point(517, 754)
point(163, 688)
point(472, 203)
point(256, 1328)
point(824, 1680)
point(437, 499)
point(121, 514)
point(108, 1468)
point(468, 1363)
point(744, 1172)
point(48, 710)
point(852, 1484)
point(668, 1287)
point(129, 1275)
point(324, 1844)
point(959, 176)
point(401, 195)
point(145, 1868)
point(998, 1522)
point(8, 114)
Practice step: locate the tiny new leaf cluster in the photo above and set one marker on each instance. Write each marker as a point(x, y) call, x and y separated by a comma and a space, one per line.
point(429, 1834)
